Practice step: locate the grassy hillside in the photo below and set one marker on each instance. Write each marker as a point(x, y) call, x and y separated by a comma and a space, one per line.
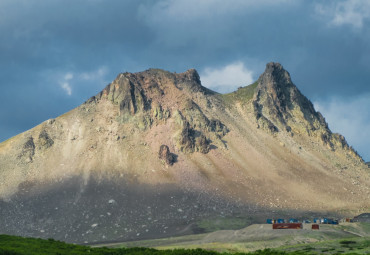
point(243, 94)
point(357, 245)
point(12, 245)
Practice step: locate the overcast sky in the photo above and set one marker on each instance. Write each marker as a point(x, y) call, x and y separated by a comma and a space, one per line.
point(55, 54)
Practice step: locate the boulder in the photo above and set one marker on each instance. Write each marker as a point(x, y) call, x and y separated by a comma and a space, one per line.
point(165, 155)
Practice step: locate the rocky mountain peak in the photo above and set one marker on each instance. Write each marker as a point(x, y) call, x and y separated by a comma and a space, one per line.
point(155, 97)
point(276, 97)
point(149, 86)
point(275, 75)
point(274, 68)
point(279, 100)
point(192, 74)
point(279, 106)
point(275, 79)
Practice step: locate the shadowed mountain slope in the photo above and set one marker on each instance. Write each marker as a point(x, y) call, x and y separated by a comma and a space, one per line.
point(155, 152)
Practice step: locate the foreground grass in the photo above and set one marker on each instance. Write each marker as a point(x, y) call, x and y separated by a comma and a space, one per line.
point(344, 246)
point(357, 245)
point(12, 245)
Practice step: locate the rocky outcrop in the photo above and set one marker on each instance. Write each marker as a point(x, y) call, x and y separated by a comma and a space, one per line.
point(187, 139)
point(128, 94)
point(194, 115)
point(158, 113)
point(192, 140)
point(31, 146)
point(197, 128)
point(190, 81)
point(266, 124)
point(217, 127)
point(28, 150)
point(202, 144)
point(44, 140)
point(165, 155)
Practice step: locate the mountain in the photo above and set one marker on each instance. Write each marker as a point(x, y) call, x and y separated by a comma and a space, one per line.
point(155, 153)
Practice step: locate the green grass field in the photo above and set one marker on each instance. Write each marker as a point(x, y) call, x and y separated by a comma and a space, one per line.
point(356, 245)
point(13, 245)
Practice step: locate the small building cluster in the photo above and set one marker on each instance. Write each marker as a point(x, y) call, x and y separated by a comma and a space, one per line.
point(298, 224)
point(285, 224)
point(326, 221)
point(273, 221)
point(315, 220)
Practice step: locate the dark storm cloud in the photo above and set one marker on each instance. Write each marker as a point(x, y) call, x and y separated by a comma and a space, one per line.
point(55, 54)
point(41, 41)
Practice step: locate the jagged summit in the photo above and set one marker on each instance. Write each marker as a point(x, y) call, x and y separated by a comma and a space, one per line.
point(136, 91)
point(280, 100)
point(148, 98)
point(155, 152)
point(275, 75)
point(280, 106)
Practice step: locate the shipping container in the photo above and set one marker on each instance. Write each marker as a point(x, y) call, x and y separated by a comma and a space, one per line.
point(287, 226)
point(330, 221)
point(334, 222)
point(280, 221)
point(315, 226)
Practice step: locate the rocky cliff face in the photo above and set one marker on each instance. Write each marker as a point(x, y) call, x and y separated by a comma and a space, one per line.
point(280, 106)
point(152, 97)
point(155, 152)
